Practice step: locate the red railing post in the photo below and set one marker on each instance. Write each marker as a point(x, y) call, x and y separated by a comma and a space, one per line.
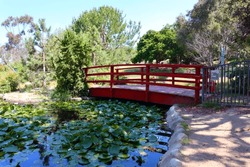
point(111, 80)
point(197, 85)
point(173, 78)
point(147, 82)
point(142, 75)
point(117, 76)
point(86, 74)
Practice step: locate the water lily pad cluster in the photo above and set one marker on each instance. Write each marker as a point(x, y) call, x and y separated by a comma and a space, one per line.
point(83, 133)
point(20, 129)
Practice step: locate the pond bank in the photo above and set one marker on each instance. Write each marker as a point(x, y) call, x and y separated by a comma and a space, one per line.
point(176, 124)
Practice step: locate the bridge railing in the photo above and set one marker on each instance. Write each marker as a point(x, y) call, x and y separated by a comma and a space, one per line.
point(169, 75)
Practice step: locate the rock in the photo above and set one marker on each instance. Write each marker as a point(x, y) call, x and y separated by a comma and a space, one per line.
point(174, 122)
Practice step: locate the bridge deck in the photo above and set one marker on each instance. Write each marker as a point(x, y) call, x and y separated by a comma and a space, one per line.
point(156, 94)
point(158, 89)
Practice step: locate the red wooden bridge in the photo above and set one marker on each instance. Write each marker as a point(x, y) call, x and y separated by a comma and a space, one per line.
point(156, 83)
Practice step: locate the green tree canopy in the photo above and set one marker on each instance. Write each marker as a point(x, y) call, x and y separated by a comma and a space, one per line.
point(158, 46)
point(212, 25)
point(108, 32)
point(74, 55)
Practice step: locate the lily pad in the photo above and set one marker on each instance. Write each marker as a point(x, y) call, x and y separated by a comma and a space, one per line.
point(86, 142)
point(10, 149)
point(83, 161)
point(123, 156)
point(2, 133)
point(114, 149)
point(152, 138)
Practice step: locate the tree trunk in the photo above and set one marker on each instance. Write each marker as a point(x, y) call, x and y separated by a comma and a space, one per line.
point(44, 70)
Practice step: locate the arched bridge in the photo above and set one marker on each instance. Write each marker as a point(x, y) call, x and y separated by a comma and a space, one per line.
point(156, 83)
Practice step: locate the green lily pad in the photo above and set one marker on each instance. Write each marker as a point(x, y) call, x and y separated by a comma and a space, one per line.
point(114, 149)
point(10, 149)
point(86, 142)
point(106, 158)
point(2, 133)
point(123, 156)
point(83, 161)
point(152, 138)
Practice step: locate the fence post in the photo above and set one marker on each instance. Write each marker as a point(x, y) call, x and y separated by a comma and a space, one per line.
point(197, 85)
point(204, 82)
point(222, 62)
point(147, 81)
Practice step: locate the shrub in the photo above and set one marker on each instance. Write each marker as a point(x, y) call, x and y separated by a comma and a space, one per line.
point(8, 80)
point(4, 86)
point(240, 78)
point(12, 78)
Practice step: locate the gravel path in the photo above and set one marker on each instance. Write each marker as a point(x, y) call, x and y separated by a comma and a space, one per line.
point(217, 139)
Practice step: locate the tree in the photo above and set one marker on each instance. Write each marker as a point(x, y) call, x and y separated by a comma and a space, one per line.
point(36, 45)
point(241, 12)
point(17, 28)
point(42, 34)
point(108, 33)
point(158, 46)
point(203, 48)
point(215, 22)
point(183, 35)
point(74, 55)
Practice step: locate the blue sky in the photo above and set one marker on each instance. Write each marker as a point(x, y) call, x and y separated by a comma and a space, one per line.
point(153, 14)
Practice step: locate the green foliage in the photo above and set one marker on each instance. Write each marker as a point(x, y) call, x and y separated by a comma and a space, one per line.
point(36, 67)
point(61, 95)
point(211, 105)
point(4, 86)
point(212, 25)
point(112, 38)
point(240, 78)
point(108, 130)
point(74, 55)
point(158, 46)
point(89, 132)
point(8, 80)
point(185, 126)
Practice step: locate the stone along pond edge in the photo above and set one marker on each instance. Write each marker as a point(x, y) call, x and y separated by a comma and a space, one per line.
point(176, 124)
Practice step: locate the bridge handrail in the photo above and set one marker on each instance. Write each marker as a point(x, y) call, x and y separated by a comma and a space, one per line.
point(112, 74)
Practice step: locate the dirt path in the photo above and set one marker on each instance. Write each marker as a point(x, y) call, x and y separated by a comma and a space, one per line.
point(23, 98)
point(219, 139)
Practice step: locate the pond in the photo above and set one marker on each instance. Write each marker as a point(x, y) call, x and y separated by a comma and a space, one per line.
point(87, 133)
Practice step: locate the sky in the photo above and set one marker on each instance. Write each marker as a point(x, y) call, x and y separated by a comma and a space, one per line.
point(153, 14)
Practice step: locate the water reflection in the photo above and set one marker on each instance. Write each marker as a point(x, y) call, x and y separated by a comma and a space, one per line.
point(36, 158)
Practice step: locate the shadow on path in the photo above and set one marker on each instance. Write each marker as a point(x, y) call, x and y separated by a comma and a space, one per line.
point(220, 139)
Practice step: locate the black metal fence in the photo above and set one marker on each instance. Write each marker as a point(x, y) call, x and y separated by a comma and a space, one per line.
point(227, 84)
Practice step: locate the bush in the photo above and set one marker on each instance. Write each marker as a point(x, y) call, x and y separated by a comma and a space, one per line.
point(61, 95)
point(4, 86)
point(240, 78)
point(8, 80)
point(12, 78)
